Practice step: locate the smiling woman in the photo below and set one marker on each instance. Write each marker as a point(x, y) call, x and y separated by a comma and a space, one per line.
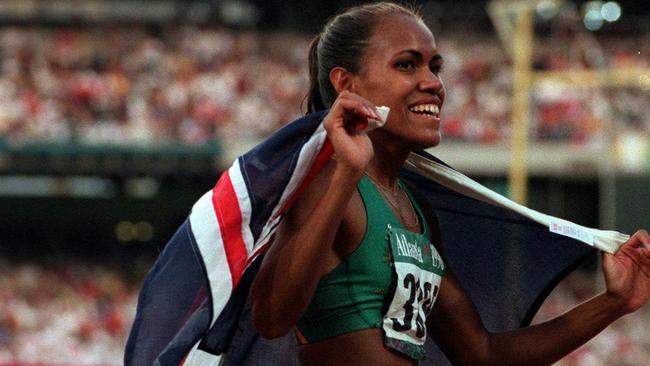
point(380, 54)
point(356, 269)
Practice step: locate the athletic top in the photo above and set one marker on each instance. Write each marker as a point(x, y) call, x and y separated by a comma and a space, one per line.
point(357, 293)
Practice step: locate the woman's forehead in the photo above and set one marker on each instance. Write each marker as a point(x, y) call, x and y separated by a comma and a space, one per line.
point(395, 33)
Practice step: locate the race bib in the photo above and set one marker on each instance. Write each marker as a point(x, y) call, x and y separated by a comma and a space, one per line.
point(419, 270)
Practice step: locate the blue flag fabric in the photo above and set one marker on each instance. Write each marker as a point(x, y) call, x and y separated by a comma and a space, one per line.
point(193, 306)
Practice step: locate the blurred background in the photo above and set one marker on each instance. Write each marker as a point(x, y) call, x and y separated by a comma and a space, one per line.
point(115, 116)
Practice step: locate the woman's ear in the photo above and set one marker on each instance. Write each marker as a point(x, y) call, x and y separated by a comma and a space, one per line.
point(341, 79)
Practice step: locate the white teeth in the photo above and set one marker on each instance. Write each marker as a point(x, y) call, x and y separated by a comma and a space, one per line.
point(428, 108)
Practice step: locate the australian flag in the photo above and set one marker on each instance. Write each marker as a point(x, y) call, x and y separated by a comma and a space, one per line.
point(192, 309)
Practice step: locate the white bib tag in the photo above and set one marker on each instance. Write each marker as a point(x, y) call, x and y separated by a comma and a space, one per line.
point(419, 270)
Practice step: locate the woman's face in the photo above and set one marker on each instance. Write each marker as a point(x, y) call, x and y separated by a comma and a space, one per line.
point(401, 70)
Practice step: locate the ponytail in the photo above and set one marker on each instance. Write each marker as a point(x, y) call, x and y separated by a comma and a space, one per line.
point(313, 98)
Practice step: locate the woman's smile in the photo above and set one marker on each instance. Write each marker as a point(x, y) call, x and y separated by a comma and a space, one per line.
point(428, 112)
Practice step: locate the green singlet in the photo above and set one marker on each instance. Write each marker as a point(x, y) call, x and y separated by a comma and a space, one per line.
point(357, 293)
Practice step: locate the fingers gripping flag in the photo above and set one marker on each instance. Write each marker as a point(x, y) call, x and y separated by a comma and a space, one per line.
point(192, 307)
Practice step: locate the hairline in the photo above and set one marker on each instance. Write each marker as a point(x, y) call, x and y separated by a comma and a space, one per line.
point(369, 42)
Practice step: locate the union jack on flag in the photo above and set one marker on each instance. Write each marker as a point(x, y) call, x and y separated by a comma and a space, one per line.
point(192, 307)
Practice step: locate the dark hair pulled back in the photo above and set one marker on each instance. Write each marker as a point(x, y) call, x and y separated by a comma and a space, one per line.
point(343, 43)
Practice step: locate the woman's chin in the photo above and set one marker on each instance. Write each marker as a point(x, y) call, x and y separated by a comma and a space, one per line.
point(427, 143)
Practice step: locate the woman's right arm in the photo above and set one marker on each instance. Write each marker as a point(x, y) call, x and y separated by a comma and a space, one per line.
point(303, 250)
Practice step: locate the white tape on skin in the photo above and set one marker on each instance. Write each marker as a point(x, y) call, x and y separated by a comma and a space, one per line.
point(374, 123)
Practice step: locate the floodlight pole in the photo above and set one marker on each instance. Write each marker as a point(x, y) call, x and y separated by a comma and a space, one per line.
point(514, 23)
point(522, 82)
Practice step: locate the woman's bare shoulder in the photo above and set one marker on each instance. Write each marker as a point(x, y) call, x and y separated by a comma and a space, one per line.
point(353, 224)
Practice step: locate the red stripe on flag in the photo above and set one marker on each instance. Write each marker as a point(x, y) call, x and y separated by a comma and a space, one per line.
point(226, 207)
point(183, 360)
point(323, 156)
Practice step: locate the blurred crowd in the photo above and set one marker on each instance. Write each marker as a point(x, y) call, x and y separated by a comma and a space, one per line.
point(141, 86)
point(478, 75)
point(623, 343)
point(64, 314)
point(187, 84)
point(81, 314)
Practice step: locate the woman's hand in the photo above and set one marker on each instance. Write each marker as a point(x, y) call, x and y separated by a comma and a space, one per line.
point(627, 272)
point(345, 125)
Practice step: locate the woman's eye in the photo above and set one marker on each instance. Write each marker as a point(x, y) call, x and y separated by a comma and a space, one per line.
point(436, 69)
point(406, 65)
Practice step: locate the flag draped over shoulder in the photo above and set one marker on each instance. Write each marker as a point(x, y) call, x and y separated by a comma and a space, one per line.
point(192, 306)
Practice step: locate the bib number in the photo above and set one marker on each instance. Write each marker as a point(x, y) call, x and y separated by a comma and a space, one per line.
point(419, 270)
point(417, 293)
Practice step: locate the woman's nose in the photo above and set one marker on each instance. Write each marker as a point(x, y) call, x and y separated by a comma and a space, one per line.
point(430, 82)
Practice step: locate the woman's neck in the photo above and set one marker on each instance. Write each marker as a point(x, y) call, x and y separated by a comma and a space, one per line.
point(386, 164)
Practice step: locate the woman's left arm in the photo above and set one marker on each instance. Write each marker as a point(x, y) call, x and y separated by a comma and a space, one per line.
point(456, 326)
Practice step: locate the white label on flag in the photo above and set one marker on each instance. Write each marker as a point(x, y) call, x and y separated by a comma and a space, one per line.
point(571, 230)
point(377, 123)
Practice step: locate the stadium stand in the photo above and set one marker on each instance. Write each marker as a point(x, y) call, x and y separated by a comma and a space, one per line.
point(193, 85)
